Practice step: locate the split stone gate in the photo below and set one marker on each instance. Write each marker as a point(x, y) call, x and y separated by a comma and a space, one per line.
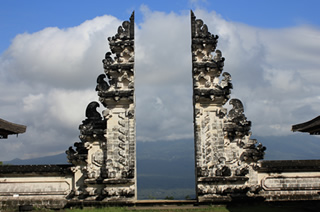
point(226, 157)
point(227, 161)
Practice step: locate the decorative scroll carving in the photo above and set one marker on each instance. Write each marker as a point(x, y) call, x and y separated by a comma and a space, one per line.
point(119, 68)
point(102, 85)
point(225, 154)
point(207, 69)
point(93, 126)
point(237, 125)
point(105, 158)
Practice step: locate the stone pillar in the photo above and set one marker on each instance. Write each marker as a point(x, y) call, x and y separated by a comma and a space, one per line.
point(105, 159)
point(226, 157)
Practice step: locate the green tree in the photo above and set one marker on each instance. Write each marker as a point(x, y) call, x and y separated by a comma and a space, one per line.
point(169, 198)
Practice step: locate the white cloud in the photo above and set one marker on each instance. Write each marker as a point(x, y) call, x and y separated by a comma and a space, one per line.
point(68, 107)
point(48, 78)
point(31, 102)
point(163, 77)
point(61, 57)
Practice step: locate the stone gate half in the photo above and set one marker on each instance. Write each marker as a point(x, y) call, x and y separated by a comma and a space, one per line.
point(105, 159)
point(226, 157)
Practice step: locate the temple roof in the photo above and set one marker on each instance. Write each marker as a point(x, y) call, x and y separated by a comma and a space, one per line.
point(312, 126)
point(8, 128)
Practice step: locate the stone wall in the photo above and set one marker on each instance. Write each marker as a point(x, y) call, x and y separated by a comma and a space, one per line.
point(292, 180)
point(37, 185)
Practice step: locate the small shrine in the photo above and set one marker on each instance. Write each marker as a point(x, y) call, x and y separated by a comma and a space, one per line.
point(9, 128)
point(312, 127)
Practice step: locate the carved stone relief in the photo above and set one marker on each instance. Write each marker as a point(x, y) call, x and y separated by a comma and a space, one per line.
point(226, 157)
point(104, 160)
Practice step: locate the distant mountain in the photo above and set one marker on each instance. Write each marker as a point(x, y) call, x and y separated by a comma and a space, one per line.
point(166, 168)
point(298, 146)
point(54, 159)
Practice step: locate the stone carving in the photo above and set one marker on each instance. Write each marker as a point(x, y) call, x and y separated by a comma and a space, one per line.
point(226, 157)
point(119, 70)
point(102, 85)
point(104, 160)
point(93, 126)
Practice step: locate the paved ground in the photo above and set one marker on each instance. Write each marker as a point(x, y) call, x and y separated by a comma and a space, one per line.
point(168, 207)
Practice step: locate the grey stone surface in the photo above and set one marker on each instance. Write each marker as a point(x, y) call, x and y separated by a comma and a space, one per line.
point(226, 157)
point(105, 159)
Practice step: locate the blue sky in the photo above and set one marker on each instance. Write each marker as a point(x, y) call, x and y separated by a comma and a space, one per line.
point(51, 52)
point(18, 16)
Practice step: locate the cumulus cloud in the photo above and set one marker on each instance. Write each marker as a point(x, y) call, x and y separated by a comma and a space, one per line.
point(163, 77)
point(60, 57)
point(48, 78)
